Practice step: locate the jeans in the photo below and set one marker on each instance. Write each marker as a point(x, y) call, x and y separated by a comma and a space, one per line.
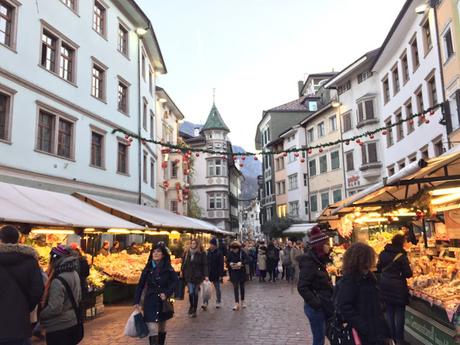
point(396, 318)
point(218, 292)
point(193, 289)
point(238, 287)
point(317, 324)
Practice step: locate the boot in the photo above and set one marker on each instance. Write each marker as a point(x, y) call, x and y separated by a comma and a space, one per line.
point(161, 338)
point(195, 305)
point(191, 300)
point(154, 340)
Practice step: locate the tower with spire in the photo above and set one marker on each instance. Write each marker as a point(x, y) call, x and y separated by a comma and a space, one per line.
point(216, 182)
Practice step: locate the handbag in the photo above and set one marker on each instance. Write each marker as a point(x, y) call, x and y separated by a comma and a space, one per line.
point(141, 327)
point(179, 292)
point(339, 333)
point(77, 309)
point(167, 309)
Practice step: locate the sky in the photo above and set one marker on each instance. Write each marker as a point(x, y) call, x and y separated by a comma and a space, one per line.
point(253, 52)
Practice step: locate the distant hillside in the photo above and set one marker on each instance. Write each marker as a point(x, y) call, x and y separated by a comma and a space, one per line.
point(251, 169)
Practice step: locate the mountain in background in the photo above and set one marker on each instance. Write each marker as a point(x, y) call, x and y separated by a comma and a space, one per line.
point(250, 170)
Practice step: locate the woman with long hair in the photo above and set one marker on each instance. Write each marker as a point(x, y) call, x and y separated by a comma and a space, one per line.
point(236, 263)
point(358, 299)
point(158, 281)
point(194, 270)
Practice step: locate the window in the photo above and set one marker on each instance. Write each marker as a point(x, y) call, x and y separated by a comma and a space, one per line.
point(395, 77)
point(98, 82)
point(150, 81)
point(399, 126)
point(333, 123)
point(144, 167)
point(174, 169)
point(347, 123)
point(281, 210)
point(415, 55)
point(310, 135)
point(268, 188)
point(122, 97)
point(321, 131)
point(152, 125)
point(366, 110)
point(324, 200)
point(293, 208)
point(122, 163)
point(55, 134)
point(424, 153)
point(314, 203)
point(312, 167)
point(281, 187)
point(350, 161)
point(72, 4)
point(49, 43)
point(217, 201)
point(144, 114)
point(292, 182)
point(152, 173)
point(337, 195)
point(123, 40)
point(432, 91)
point(369, 153)
point(143, 66)
point(335, 160)
point(412, 158)
point(7, 21)
point(344, 87)
point(97, 149)
point(305, 203)
point(410, 124)
point(389, 133)
point(405, 68)
point(438, 147)
point(427, 37)
point(363, 76)
point(401, 165)
point(99, 18)
point(5, 102)
point(305, 180)
point(266, 136)
point(386, 90)
point(391, 170)
point(448, 44)
point(173, 206)
point(322, 164)
point(420, 106)
point(216, 167)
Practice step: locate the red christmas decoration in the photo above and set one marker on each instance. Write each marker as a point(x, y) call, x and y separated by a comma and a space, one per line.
point(427, 121)
point(371, 136)
point(358, 141)
point(241, 165)
point(197, 154)
point(384, 132)
point(320, 150)
point(285, 154)
point(243, 158)
point(256, 158)
point(165, 184)
point(234, 158)
point(411, 121)
point(310, 151)
point(361, 143)
point(347, 142)
point(432, 112)
point(164, 164)
point(302, 160)
point(296, 154)
point(165, 150)
point(126, 136)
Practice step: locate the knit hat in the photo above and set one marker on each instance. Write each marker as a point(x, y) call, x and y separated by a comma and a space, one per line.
point(317, 237)
point(213, 241)
point(59, 252)
point(9, 234)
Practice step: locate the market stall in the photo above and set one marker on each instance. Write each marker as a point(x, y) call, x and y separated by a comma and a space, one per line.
point(423, 201)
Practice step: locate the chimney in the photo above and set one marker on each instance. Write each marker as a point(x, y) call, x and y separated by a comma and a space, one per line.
point(196, 131)
point(300, 86)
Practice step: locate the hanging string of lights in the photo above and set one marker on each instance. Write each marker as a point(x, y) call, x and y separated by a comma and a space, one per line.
point(423, 117)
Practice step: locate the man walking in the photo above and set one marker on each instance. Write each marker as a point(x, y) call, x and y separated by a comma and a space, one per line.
point(216, 270)
point(22, 287)
point(287, 263)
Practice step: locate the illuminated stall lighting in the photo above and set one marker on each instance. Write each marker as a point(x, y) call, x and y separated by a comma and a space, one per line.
point(53, 231)
point(445, 199)
point(90, 230)
point(445, 191)
point(137, 232)
point(118, 231)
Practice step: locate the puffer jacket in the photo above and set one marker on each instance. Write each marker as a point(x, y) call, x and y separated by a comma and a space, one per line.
point(58, 313)
point(237, 275)
point(262, 259)
point(194, 271)
point(21, 287)
point(393, 275)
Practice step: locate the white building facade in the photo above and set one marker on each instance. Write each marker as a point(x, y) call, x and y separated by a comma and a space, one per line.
point(71, 73)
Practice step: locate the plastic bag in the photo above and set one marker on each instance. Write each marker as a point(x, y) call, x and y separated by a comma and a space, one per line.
point(280, 267)
point(206, 290)
point(130, 328)
point(141, 327)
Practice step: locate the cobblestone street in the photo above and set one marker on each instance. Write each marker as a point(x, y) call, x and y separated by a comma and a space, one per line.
point(274, 316)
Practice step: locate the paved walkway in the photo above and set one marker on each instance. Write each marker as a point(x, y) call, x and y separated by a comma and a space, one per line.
point(274, 317)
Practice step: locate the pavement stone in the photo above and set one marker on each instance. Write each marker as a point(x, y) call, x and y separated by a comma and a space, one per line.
point(274, 317)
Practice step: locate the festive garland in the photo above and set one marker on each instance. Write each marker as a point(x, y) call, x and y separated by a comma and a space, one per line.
point(181, 148)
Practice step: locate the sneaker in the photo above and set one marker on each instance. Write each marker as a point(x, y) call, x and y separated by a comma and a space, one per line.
point(236, 307)
point(204, 306)
point(218, 305)
point(243, 305)
point(193, 314)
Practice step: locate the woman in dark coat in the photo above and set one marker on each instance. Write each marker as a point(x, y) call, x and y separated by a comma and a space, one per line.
point(273, 257)
point(237, 260)
point(215, 270)
point(394, 269)
point(159, 280)
point(195, 271)
point(358, 300)
point(314, 284)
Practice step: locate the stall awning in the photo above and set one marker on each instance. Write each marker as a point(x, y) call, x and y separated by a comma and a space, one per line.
point(151, 217)
point(26, 205)
point(299, 229)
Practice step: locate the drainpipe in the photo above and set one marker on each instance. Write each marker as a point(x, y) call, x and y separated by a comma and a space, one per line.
point(341, 146)
point(308, 179)
point(139, 39)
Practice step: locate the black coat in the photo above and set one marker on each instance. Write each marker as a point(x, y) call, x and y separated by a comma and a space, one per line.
point(393, 275)
point(195, 270)
point(161, 279)
point(215, 264)
point(21, 287)
point(314, 284)
point(358, 303)
point(237, 275)
point(273, 257)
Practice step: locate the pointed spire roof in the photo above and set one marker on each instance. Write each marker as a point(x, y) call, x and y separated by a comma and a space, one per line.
point(214, 120)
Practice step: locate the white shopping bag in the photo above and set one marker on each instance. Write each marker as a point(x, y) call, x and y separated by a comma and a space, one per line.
point(206, 290)
point(280, 267)
point(130, 328)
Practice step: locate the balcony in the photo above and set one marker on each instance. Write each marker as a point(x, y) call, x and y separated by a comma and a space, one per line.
point(268, 200)
point(367, 122)
point(268, 174)
point(371, 170)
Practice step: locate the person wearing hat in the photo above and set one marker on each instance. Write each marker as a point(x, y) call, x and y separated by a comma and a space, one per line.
point(159, 280)
point(215, 270)
point(236, 262)
point(314, 284)
point(21, 285)
point(58, 316)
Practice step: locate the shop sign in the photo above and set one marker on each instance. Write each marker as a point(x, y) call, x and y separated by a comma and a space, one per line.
point(427, 332)
point(452, 220)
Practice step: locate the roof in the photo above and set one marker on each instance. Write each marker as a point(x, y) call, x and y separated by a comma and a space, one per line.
point(313, 115)
point(214, 120)
point(299, 229)
point(298, 105)
point(169, 100)
point(33, 206)
point(325, 75)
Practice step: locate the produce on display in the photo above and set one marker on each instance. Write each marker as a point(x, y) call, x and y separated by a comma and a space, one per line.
point(122, 267)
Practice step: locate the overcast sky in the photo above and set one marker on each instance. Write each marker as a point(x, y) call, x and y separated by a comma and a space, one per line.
point(254, 51)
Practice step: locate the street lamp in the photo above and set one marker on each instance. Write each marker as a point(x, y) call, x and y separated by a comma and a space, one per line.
point(336, 104)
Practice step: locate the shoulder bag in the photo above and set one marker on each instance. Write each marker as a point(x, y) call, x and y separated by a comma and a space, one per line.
point(76, 308)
